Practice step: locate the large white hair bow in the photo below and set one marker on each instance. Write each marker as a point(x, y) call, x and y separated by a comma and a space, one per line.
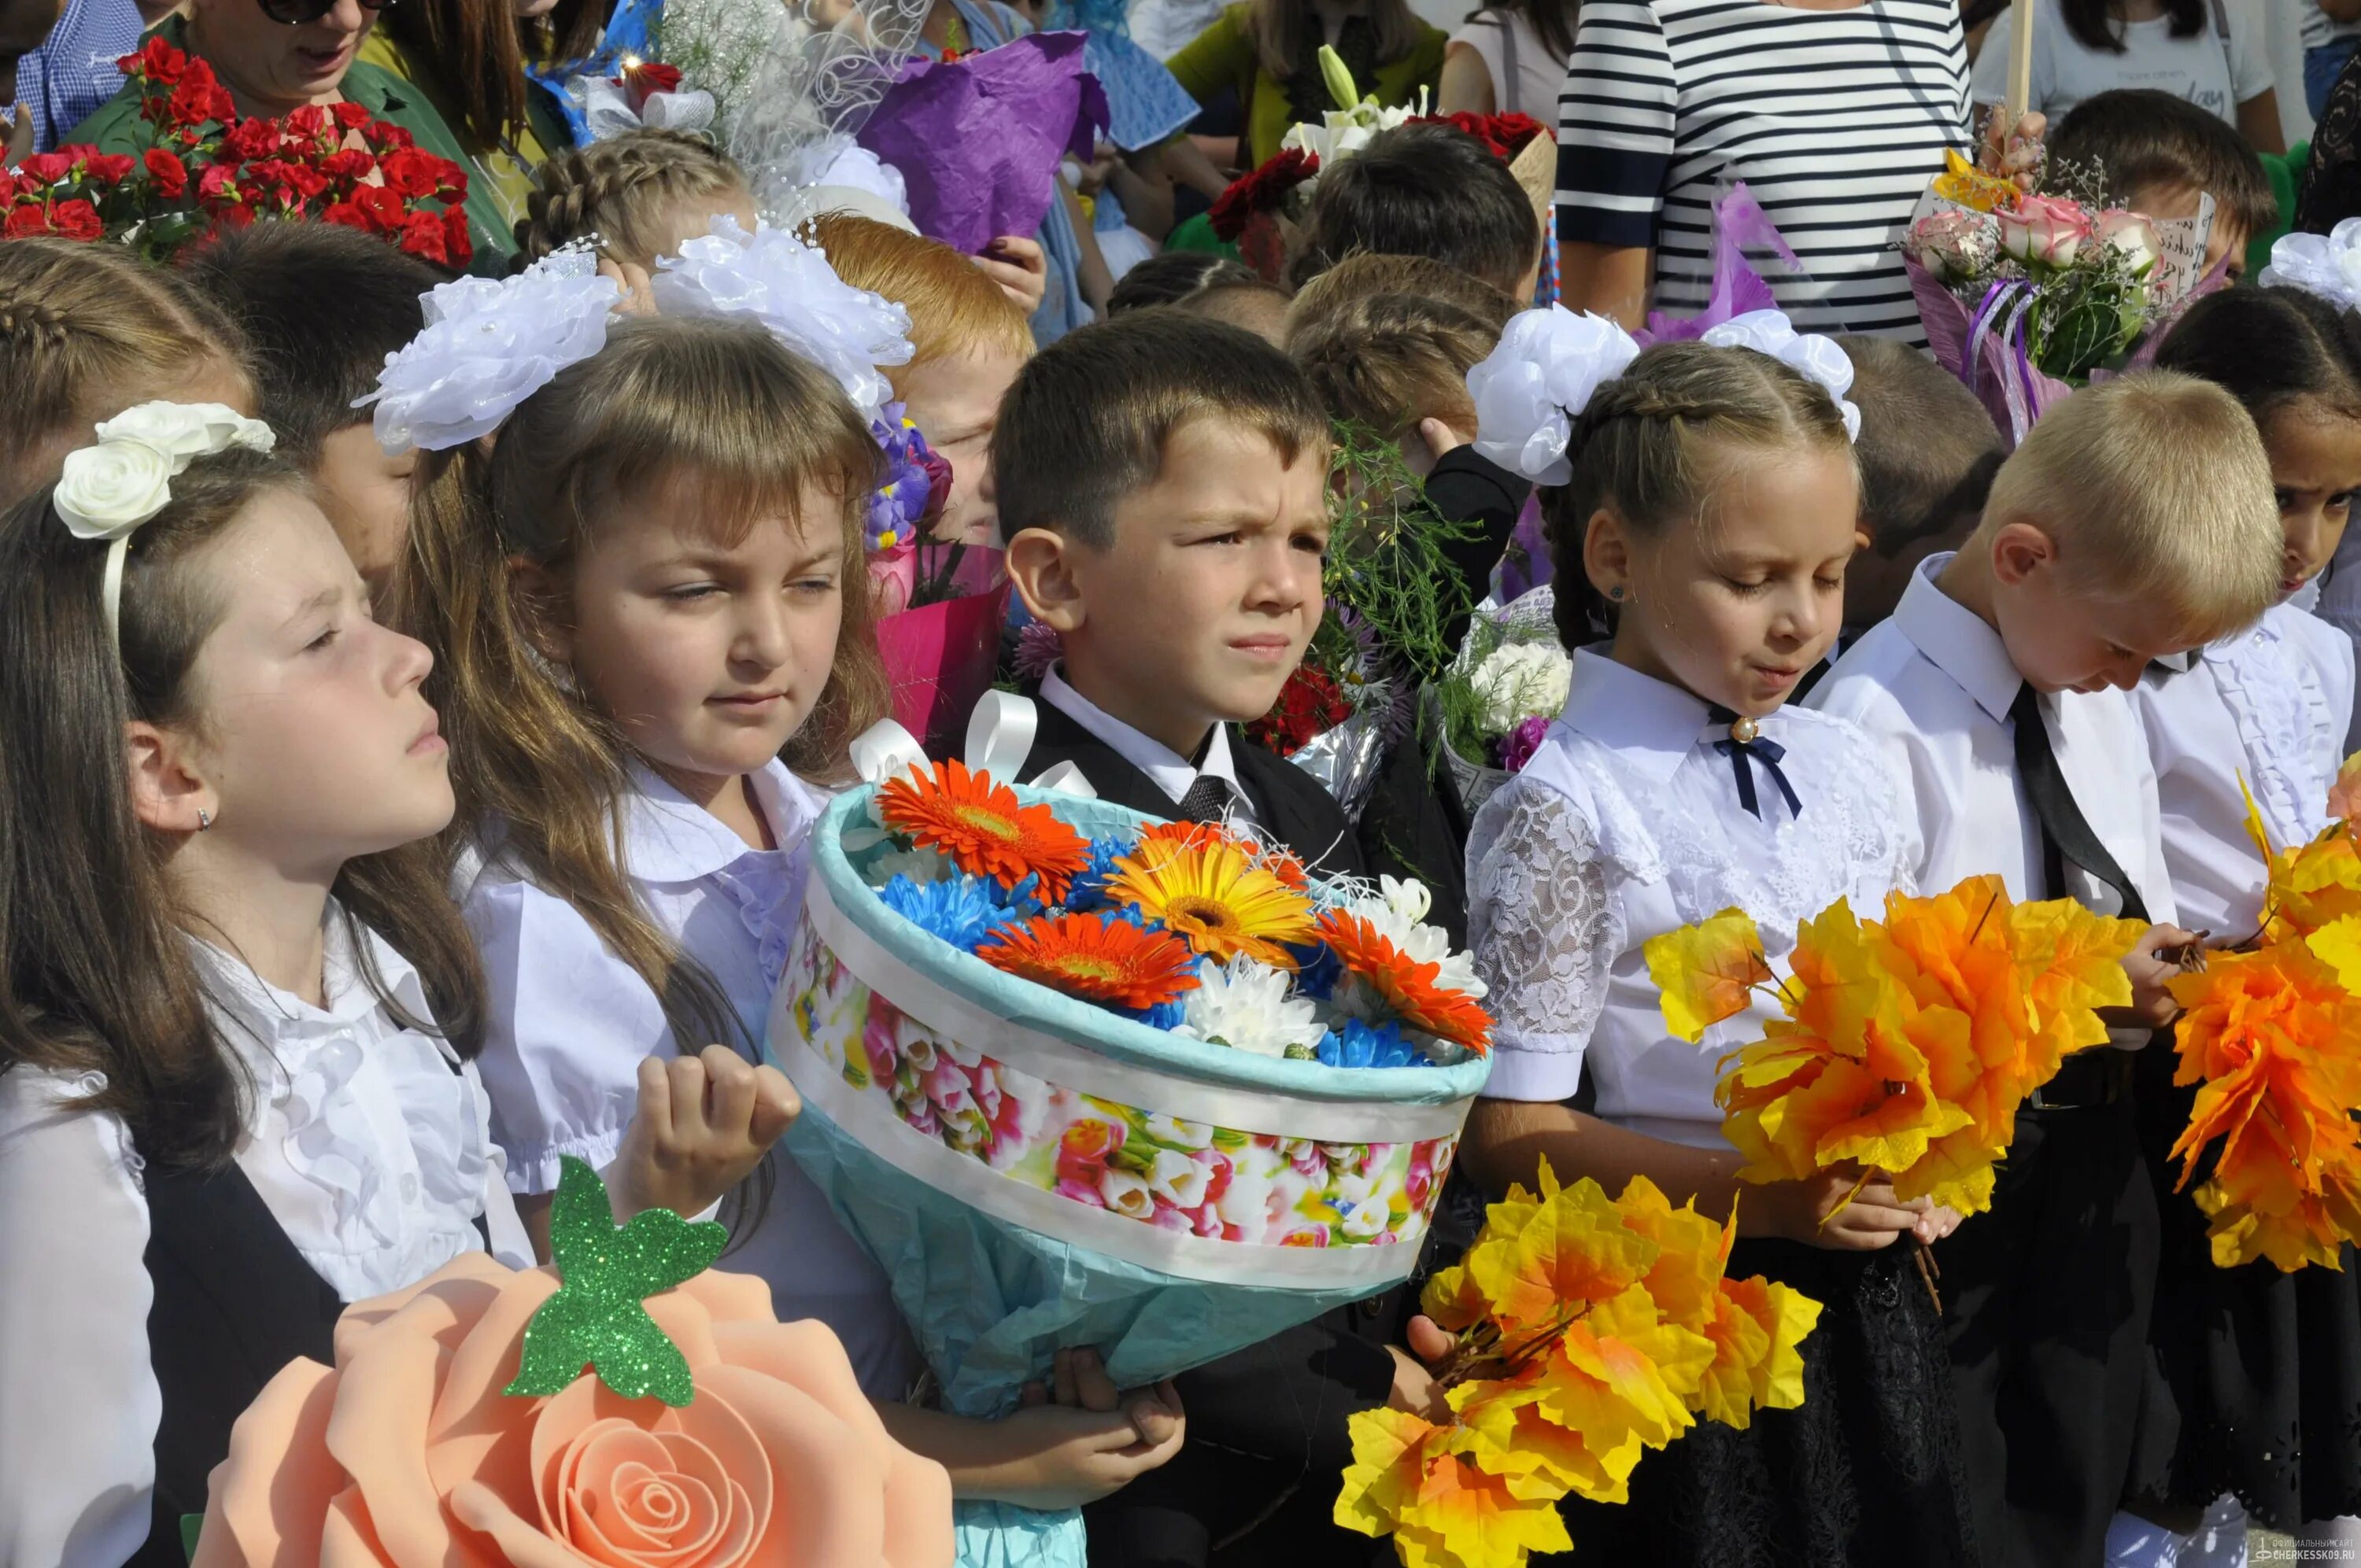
point(1769, 332)
point(2328, 266)
point(790, 287)
point(487, 347)
point(107, 489)
point(1528, 391)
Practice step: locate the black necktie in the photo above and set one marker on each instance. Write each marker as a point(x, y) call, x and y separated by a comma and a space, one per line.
point(2065, 834)
point(1747, 750)
point(1208, 800)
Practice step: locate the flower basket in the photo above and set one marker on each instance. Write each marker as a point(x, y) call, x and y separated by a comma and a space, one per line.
point(962, 1121)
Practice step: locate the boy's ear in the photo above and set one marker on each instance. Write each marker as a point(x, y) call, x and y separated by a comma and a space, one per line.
point(543, 609)
point(2019, 549)
point(1606, 553)
point(168, 794)
point(1041, 565)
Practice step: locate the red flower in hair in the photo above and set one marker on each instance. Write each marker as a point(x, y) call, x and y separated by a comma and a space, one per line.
point(77, 220)
point(1261, 191)
point(170, 175)
point(648, 78)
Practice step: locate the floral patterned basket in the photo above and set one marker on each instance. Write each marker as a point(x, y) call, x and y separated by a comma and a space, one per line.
point(1032, 1171)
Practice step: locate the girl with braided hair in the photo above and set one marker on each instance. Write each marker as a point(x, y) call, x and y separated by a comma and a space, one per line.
point(1706, 496)
point(85, 331)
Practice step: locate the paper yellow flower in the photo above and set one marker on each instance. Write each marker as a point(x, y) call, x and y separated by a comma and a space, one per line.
point(1212, 893)
point(1707, 972)
point(1963, 183)
point(1430, 1488)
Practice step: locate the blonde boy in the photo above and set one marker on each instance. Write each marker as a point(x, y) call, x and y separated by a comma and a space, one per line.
point(2137, 520)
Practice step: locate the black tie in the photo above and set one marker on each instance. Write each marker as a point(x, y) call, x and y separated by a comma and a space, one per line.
point(1747, 755)
point(2065, 834)
point(1208, 800)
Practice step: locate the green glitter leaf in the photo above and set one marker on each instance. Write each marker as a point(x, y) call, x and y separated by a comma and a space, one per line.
point(596, 1318)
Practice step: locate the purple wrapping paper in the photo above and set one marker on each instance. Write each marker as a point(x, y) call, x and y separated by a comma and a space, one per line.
point(978, 140)
point(1739, 221)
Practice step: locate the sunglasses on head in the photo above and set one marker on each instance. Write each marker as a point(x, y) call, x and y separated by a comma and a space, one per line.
point(295, 13)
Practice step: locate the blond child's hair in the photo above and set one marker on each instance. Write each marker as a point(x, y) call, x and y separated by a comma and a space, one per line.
point(85, 331)
point(1387, 361)
point(2156, 488)
point(717, 417)
point(625, 190)
point(1367, 273)
point(954, 308)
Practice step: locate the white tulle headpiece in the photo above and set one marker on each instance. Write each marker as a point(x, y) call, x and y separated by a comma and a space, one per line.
point(487, 347)
point(788, 286)
point(2327, 264)
point(1552, 362)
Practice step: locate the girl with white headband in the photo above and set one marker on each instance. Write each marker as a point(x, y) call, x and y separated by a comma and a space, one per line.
point(239, 1010)
point(647, 592)
point(1703, 495)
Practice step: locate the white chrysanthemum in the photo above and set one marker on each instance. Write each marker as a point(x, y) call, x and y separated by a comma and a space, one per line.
point(1519, 680)
point(1245, 1005)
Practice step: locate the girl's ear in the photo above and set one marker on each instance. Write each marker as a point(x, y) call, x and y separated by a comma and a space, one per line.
point(169, 791)
point(543, 609)
point(1607, 554)
point(1041, 565)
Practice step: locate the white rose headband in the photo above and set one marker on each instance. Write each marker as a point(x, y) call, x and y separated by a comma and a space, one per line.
point(1551, 363)
point(108, 489)
point(790, 287)
point(2328, 266)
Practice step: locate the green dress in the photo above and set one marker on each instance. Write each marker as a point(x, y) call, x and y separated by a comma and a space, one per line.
point(116, 127)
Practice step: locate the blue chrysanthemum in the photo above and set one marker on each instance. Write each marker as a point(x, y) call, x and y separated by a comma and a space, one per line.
point(1368, 1044)
point(1316, 970)
point(961, 910)
point(1163, 1015)
point(1088, 890)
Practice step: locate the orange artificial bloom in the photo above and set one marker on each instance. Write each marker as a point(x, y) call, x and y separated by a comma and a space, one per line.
point(1098, 959)
point(1407, 987)
point(2273, 1040)
point(1969, 186)
point(1448, 1497)
point(1707, 972)
point(979, 824)
point(2344, 794)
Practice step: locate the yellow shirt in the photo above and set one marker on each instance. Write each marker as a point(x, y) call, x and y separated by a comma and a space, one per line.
point(507, 168)
point(1224, 56)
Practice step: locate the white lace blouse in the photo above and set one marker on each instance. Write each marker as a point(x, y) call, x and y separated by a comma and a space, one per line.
point(1627, 824)
point(2269, 706)
point(570, 1024)
point(368, 1143)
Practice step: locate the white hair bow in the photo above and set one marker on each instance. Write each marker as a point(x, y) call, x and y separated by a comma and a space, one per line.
point(1771, 333)
point(2328, 266)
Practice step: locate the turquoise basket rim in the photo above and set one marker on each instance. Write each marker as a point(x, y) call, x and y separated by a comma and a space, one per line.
point(1032, 1006)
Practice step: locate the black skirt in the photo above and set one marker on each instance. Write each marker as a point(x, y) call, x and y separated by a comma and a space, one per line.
point(2256, 1385)
point(1865, 1474)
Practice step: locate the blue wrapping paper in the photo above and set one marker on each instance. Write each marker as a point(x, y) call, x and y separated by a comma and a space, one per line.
point(978, 140)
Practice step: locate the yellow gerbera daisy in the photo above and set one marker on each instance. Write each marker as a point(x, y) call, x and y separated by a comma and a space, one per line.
point(1210, 892)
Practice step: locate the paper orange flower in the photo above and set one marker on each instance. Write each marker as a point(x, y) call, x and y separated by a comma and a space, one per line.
point(2344, 794)
point(1213, 894)
point(1430, 1488)
point(1708, 972)
point(979, 824)
point(1109, 961)
point(2273, 1040)
point(1969, 186)
point(1407, 989)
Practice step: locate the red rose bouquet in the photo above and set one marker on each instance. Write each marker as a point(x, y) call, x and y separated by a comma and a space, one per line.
point(205, 167)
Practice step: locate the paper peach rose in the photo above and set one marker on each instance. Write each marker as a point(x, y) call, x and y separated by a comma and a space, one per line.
point(407, 1454)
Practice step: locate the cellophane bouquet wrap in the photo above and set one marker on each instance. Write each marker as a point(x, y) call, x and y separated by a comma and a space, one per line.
point(1075, 1078)
point(1495, 702)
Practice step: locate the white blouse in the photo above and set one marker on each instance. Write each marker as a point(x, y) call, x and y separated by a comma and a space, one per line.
point(370, 1145)
point(1626, 824)
point(570, 1024)
point(2268, 706)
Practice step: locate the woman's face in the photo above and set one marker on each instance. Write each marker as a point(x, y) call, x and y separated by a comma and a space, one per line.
point(955, 403)
point(313, 736)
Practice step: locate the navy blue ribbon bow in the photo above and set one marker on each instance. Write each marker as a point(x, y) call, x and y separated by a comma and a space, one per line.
point(1746, 755)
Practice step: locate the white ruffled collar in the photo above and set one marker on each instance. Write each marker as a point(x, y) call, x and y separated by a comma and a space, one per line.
point(669, 838)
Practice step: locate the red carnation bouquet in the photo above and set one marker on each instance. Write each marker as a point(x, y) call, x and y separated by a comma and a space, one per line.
point(206, 167)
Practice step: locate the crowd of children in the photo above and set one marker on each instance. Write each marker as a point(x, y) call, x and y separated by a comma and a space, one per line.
point(407, 785)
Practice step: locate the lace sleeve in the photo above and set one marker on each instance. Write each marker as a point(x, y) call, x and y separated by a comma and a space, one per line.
point(1545, 934)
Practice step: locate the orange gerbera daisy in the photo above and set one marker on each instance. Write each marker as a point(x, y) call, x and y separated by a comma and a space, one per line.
point(978, 822)
point(1407, 986)
point(1109, 961)
point(1212, 893)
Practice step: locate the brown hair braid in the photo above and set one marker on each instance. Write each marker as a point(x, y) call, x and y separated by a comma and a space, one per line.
point(623, 189)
